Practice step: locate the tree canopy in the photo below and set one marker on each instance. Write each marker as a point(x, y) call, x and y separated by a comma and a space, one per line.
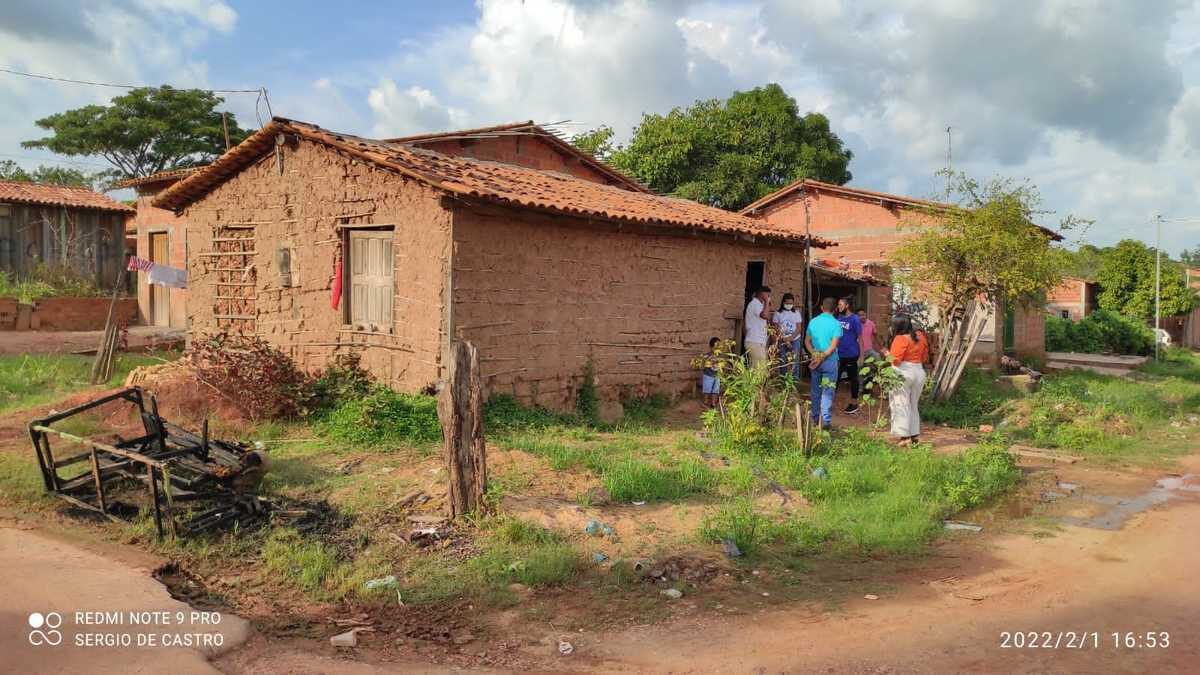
point(1126, 281)
point(727, 153)
point(51, 175)
point(144, 131)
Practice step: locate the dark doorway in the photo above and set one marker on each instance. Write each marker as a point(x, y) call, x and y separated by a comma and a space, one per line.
point(756, 276)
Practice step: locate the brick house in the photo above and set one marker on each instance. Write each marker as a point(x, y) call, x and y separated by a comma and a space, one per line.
point(1074, 299)
point(865, 228)
point(545, 269)
point(160, 236)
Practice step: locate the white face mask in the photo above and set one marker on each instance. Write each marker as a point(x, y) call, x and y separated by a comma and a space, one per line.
point(788, 306)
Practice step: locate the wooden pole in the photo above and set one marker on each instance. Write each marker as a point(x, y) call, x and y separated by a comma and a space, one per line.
point(460, 410)
point(102, 357)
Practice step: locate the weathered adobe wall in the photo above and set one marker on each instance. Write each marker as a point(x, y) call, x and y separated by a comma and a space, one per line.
point(527, 150)
point(152, 219)
point(300, 209)
point(542, 295)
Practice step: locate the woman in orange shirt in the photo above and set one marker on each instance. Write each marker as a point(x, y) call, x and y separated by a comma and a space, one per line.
point(908, 353)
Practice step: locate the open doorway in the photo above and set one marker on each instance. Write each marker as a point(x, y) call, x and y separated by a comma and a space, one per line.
point(756, 276)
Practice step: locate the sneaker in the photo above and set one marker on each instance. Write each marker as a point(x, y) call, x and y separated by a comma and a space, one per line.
point(851, 409)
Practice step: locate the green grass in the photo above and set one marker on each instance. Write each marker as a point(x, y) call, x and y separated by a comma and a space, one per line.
point(873, 500)
point(977, 401)
point(629, 479)
point(20, 479)
point(29, 380)
point(384, 418)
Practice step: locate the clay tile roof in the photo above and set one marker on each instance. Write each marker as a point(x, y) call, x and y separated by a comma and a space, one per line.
point(504, 184)
point(526, 128)
point(846, 271)
point(871, 195)
point(18, 192)
point(172, 176)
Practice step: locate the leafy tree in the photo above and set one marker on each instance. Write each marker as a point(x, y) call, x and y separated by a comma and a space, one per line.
point(1127, 283)
point(1085, 262)
point(982, 251)
point(51, 175)
point(597, 142)
point(144, 131)
point(728, 153)
point(1190, 257)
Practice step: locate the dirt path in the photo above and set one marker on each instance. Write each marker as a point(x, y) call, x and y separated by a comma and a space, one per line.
point(1137, 579)
point(56, 580)
point(65, 342)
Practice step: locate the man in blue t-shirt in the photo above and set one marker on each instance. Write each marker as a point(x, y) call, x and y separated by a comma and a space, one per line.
point(821, 339)
point(848, 350)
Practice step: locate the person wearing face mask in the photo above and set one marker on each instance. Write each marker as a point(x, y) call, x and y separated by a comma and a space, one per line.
point(789, 325)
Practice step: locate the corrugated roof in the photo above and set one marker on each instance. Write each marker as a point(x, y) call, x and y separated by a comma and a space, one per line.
point(846, 271)
point(172, 176)
point(860, 193)
point(527, 128)
point(19, 192)
point(494, 182)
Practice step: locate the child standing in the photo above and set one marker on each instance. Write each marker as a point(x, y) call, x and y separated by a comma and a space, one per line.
point(710, 385)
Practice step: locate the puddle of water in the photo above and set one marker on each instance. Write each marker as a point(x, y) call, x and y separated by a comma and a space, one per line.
point(1122, 509)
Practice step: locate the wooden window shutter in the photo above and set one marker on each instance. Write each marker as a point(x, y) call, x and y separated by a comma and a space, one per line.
point(371, 279)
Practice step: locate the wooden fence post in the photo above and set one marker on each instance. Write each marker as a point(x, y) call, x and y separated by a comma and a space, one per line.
point(460, 410)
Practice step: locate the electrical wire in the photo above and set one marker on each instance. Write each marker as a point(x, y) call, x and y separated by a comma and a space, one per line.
point(119, 86)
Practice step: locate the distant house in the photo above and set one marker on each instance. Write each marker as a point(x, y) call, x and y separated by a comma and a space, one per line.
point(1074, 299)
point(865, 228)
point(161, 237)
point(542, 257)
point(70, 227)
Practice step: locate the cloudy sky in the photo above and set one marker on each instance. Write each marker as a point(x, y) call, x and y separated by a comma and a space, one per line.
point(1096, 101)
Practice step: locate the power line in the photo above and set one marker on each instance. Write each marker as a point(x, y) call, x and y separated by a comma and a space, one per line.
point(119, 86)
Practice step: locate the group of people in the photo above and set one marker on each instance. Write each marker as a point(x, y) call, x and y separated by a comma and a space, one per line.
point(836, 341)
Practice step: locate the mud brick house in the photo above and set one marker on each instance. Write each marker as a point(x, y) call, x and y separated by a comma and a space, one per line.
point(865, 227)
point(1074, 299)
point(70, 227)
point(545, 269)
point(161, 237)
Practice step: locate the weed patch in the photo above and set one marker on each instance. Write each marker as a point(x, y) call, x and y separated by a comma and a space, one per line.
point(384, 417)
point(29, 380)
point(978, 401)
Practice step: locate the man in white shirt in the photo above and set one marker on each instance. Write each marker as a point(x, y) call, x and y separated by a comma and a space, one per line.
point(757, 316)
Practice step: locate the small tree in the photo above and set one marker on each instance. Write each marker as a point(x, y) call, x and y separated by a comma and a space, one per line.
point(979, 249)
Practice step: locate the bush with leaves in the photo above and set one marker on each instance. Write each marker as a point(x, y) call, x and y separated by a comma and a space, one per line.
point(385, 417)
point(1101, 331)
point(344, 379)
point(256, 376)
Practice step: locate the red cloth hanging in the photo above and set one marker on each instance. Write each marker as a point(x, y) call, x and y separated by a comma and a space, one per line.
point(335, 297)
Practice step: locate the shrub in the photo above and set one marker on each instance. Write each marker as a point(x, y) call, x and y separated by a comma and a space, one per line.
point(261, 380)
point(383, 417)
point(344, 379)
point(587, 400)
point(1100, 331)
point(502, 413)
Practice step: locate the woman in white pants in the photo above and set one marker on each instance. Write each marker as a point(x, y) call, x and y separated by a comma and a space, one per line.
point(908, 353)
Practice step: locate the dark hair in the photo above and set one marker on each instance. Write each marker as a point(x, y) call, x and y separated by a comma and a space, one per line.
point(763, 289)
point(784, 299)
point(901, 324)
point(827, 305)
point(712, 342)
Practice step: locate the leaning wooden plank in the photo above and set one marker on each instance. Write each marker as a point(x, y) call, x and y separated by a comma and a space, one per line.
point(1038, 453)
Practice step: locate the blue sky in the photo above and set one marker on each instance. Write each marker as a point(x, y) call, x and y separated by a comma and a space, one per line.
point(1095, 101)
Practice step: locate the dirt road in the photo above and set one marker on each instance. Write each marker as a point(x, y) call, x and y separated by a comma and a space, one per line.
point(79, 607)
point(1140, 579)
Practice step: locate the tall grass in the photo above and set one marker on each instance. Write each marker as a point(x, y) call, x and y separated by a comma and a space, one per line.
point(29, 380)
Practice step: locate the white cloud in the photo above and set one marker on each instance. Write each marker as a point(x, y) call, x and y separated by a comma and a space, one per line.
point(401, 112)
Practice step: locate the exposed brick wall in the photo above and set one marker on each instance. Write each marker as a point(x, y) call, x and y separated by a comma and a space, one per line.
point(542, 295)
point(523, 150)
point(300, 209)
point(1029, 333)
point(1076, 296)
point(151, 219)
point(60, 314)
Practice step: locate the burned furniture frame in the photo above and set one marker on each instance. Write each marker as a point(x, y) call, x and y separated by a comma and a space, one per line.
point(175, 465)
